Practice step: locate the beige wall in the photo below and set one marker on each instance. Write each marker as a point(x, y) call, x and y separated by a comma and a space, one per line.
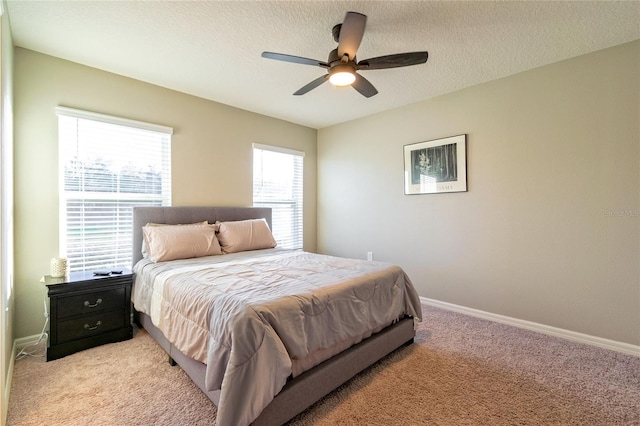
point(548, 232)
point(549, 229)
point(211, 156)
point(6, 209)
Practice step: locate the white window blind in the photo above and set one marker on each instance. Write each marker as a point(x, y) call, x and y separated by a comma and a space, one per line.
point(277, 183)
point(107, 166)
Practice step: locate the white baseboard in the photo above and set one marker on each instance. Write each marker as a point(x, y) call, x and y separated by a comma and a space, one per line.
point(9, 378)
point(625, 348)
point(22, 342)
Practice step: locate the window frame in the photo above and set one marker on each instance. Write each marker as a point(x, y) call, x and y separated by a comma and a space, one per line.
point(298, 225)
point(114, 197)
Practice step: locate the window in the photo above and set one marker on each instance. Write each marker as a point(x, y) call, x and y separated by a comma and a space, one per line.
point(277, 183)
point(107, 166)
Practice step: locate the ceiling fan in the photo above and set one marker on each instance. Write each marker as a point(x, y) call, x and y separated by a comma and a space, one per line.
point(342, 63)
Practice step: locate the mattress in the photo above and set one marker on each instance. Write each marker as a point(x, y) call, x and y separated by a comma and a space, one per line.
point(258, 318)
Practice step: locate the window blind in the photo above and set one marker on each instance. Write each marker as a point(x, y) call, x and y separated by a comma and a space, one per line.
point(107, 166)
point(277, 183)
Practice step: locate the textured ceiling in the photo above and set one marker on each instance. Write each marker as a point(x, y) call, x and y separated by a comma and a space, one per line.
point(212, 49)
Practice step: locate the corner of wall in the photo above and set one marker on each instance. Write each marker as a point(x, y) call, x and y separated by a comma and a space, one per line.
point(6, 211)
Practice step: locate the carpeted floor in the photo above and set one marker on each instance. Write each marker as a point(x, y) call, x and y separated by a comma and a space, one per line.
point(461, 371)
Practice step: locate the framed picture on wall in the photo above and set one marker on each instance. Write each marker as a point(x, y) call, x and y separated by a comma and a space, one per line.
point(436, 166)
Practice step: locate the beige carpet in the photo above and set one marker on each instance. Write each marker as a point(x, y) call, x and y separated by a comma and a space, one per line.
point(462, 371)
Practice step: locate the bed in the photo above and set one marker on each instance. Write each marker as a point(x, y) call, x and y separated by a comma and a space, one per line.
point(270, 360)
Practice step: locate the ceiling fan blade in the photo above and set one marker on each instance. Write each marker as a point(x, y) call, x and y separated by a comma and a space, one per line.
point(393, 61)
point(294, 59)
point(351, 34)
point(363, 86)
point(310, 86)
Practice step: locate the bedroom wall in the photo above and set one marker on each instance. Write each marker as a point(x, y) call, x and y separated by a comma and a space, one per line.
point(549, 230)
point(6, 210)
point(211, 156)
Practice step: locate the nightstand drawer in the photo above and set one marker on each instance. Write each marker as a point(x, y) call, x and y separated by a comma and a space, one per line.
point(90, 325)
point(90, 303)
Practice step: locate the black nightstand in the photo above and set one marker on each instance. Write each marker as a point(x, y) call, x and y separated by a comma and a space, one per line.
point(88, 311)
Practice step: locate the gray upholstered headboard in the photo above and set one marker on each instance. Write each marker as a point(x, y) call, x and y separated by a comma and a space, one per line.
point(179, 214)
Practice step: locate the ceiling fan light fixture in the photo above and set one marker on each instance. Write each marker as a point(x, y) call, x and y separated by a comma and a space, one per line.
point(342, 65)
point(342, 75)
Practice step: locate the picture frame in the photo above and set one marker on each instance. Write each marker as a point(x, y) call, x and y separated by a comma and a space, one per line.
point(436, 166)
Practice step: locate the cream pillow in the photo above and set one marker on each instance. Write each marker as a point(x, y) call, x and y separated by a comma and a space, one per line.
point(145, 249)
point(173, 242)
point(243, 235)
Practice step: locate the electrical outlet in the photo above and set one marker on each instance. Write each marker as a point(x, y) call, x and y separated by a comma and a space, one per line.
point(369, 256)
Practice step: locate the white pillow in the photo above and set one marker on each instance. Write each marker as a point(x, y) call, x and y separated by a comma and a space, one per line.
point(173, 242)
point(243, 235)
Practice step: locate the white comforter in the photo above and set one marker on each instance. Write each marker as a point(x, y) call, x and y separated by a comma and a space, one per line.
point(248, 315)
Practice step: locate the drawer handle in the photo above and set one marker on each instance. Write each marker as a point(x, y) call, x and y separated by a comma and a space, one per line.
point(89, 305)
point(88, 327)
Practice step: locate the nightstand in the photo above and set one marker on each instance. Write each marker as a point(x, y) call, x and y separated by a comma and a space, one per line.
point(88, 311)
